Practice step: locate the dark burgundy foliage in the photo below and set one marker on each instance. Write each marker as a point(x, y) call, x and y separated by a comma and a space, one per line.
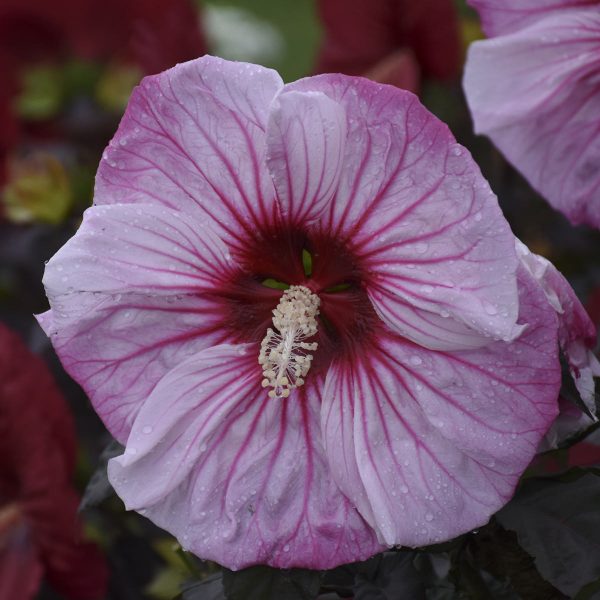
point(392, 41)
point(40, 532)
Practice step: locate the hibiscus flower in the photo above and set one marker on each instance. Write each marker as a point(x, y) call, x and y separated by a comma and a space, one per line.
point(302, 311)
point(40, 536)
point(391, 41)
point(534, 89)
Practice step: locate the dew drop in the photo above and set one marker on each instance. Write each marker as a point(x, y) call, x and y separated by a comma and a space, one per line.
point(147, 429)
point(490, 308)
point(429, 517)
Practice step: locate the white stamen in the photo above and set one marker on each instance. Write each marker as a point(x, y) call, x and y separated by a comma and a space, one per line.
point(284, 356)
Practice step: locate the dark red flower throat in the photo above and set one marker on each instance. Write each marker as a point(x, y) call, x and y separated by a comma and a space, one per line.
point(284, 255)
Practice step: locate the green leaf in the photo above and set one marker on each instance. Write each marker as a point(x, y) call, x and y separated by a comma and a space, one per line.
point(210, 588)
point(495, 563)
point(557, 521)
point(266, 583)
point(590, 591)
point(389, 576)
point(99, 489)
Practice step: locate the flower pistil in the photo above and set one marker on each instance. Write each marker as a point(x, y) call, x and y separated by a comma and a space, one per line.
point(284, 355)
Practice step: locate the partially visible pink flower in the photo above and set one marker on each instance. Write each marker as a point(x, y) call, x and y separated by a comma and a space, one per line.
point(535, 91)
point(391, 41)
point(40, 535)
point(505, 16)
point(435, 372)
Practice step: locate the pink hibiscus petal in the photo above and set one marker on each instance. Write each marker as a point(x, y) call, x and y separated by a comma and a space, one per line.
point(118, 346)
point(545, 121)
point(433, 331)
point(238, 477)
point(306, 138)
point(439, 439)
point(142, 248)
point(417, 212)
point(504, 16)
point(193, 139)
point(577, 333)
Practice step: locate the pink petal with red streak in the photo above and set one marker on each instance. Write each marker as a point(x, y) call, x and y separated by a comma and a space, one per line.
point(193, 139)
point(536, 94)
point(238, 477)
point(118, 346)
point(431, 444)
point(577, 333)
point(416, 210)
point(146, 249)
point(505, 16)
point(306, 138)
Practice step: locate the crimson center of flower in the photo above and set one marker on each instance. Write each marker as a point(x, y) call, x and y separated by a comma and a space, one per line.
point(321, 280)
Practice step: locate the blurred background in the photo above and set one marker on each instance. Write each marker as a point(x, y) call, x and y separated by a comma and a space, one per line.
point(68, 67)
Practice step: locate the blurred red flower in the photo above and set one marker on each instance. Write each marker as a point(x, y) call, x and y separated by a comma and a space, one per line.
point(150, 35)
point(40, 536)
point(390, 41)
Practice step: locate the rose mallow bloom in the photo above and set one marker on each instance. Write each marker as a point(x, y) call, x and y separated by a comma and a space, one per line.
point(534, 89)
point(301, 310)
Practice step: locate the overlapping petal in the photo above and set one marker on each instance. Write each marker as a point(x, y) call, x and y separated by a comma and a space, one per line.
point(417, 212)
point(193, 139)
point(118, 346)
point(144, 248)
point(505, 16)
point(237, 477)
point(577, 333)
point(306, 141)
point(546, 120)
point(439, 439)
point(126, 302)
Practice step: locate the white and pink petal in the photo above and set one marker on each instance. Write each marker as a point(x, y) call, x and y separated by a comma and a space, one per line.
point(438, 440)
point(118, 346)
point(577, 333)
point(505, 16)
point(417, 213)
point(306, 138)
point(536, 94)
point(143, 248)
point(193, 139)
point(242, 478)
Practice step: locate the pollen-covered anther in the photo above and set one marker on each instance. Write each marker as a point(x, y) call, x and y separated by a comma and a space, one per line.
point(284, 355)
